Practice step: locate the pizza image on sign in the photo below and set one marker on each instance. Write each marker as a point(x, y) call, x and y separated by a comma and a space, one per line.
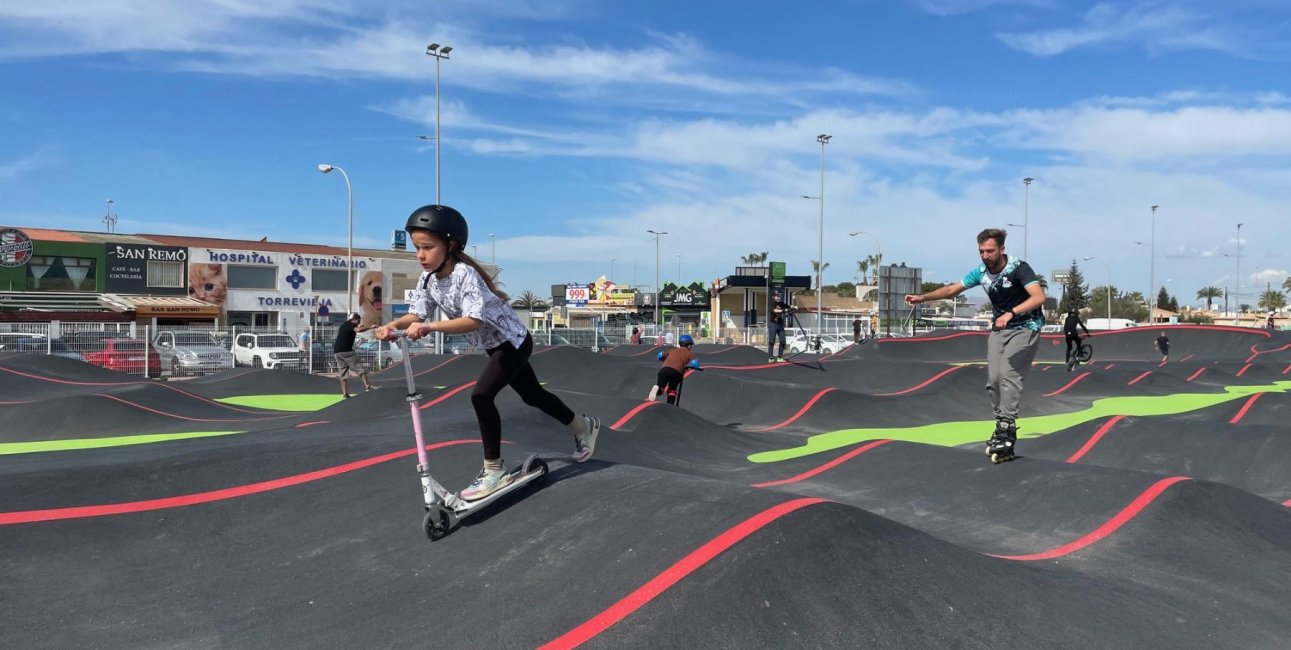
point(15, 248)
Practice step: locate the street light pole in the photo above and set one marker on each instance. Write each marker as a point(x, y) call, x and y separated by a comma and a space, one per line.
point(611, 270)
point(1026, 219)
point(678, 269)
point(109, 219)
point(1109, 291)
point(657, 311)
point(493, 255)
point(1152, 272)
point(440, 53)
point(823, 139)
point(1237, 292)
point(349, 246)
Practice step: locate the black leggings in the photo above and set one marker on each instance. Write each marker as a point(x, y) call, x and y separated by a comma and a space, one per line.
point(669, 381)
point(1073, 343)
point(509, 366)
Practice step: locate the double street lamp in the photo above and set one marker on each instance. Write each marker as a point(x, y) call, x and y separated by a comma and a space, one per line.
point(440, 52)
point(823, 139)
point(349, 247)
point(1237, 293)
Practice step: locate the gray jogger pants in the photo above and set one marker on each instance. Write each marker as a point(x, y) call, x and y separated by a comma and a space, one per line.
point(1009, 354)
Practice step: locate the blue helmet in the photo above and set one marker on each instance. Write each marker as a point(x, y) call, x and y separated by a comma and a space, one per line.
point(686, 341)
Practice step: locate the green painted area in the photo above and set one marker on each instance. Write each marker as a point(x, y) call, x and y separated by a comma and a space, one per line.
point(295, 403)
point(96, 443)
point(959, 433)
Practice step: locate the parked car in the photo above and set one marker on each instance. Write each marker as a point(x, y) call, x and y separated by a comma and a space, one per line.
point(271, 350)
point(458, 344)
point(382, 354)
point(128, 356)
point(90, 340)
point(188, 352)
point(805, 342)
point(37, 344)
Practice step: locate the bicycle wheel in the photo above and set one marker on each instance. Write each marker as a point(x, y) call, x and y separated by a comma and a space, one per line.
point(1086, 352)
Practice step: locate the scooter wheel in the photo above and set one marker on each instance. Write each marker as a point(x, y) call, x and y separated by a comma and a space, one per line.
point(539, 465)
point(435, 525)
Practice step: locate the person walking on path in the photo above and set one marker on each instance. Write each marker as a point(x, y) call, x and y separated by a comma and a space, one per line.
point(1162, 345)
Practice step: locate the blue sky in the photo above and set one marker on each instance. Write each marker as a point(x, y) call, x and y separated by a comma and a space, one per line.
point(571, 127)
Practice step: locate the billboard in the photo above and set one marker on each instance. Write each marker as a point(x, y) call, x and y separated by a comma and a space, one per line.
point(15, 248)
point(127, 269)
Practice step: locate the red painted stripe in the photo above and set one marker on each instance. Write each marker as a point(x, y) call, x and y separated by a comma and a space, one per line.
point(441, 365)
point(1196, 374)
point(827, 466)
point(1069, 385)
point(1259, 352)
point(1136, 379)
point(1286, 369)
point(811, 402)
point(673, 574)
point(127, 383)
point(302, 425)
point(1187, 358)
point(1108, 366)
point(647, 351)
point(1162, 364)
point(1245, 407)
point(1243, 370)
point(1108, 527)
point(447, 395)
point(930, 380)
point(725, 349)
point(184, 417)
point(1093, 440)
point(931, 338)
point(757, 367)
point(1287, 503)
point(631, 414)
point(77, 512)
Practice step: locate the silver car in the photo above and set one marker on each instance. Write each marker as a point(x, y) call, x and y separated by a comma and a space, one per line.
point(191, 352)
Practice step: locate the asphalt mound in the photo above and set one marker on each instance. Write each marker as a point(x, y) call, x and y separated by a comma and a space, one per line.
point(706, 524)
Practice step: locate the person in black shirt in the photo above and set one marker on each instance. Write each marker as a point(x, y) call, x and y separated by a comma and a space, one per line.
point(775, 328)
point(856, 329)
point(1071, 327)
point(346, 359)
point(1016, 300)
point(1162, 345)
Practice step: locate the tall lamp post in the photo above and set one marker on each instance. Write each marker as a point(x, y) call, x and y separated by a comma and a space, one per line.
point(823, 139)
point(1109, 290)
point(1152, 270)
point(349, 246)
point(440, 52)
point(611, 270)
point(678, 269)
point(1026, 218)
point(493, 251)
point(1237, 292)
point(657, 311)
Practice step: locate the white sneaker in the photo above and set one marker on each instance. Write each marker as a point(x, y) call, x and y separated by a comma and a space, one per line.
point(585, 443)
point(487, 482)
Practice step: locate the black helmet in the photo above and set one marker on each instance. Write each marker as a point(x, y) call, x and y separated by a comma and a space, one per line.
point(440, 219)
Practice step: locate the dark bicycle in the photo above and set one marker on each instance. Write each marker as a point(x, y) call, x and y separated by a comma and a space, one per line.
point(1081, 354)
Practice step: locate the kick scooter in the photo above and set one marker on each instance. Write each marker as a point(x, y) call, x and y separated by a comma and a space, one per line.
point(445, 509)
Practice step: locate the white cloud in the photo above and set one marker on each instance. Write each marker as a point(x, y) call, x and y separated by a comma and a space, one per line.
point(1157, 26)
point(32, 162)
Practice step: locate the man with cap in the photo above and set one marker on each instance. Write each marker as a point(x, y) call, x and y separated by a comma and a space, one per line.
point(347, 360)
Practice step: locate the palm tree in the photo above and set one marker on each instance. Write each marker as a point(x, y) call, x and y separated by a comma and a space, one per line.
point(528, 300)
point(756, 259)
point(1272, 300)
point(1209, 294)
point(818, 270)
point(1286, 285)
point(864, 267)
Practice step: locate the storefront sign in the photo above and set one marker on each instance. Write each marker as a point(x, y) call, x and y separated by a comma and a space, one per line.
point(127, 268)
point(15, 248)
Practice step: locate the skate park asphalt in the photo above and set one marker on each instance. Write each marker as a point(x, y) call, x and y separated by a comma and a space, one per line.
point(841, 502)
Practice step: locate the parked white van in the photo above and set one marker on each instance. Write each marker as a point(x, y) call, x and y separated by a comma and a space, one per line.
point(1109, 324)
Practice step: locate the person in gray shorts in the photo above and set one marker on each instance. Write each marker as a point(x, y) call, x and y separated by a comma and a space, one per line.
point(1017, 302)
point(347, 360)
